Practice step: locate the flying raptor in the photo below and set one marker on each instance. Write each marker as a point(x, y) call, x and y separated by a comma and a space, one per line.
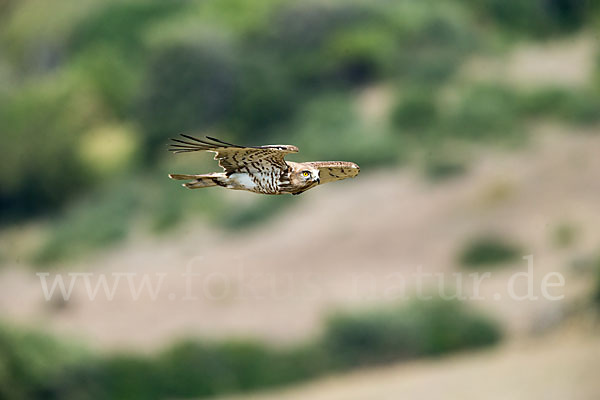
point(259, 169)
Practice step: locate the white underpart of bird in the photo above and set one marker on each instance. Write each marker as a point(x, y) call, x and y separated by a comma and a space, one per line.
point(242, 179)
point(259, 169)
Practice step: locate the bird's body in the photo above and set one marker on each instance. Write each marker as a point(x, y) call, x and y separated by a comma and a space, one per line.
point(260, 169)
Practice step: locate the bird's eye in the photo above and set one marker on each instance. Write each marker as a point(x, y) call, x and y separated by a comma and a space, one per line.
point(305, 174)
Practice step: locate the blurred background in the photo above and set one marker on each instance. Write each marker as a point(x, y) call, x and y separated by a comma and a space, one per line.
point(476, 126)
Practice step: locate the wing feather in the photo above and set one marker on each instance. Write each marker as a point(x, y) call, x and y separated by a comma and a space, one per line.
point(335, 170)
point(232, 157)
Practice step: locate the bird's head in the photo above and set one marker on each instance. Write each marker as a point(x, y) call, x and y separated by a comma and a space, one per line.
point(304, 176)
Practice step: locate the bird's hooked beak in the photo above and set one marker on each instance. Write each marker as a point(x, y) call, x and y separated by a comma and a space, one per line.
point(318, 179)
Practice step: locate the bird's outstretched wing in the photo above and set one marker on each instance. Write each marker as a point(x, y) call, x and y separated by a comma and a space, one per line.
point(236, 158)
point(335, 170)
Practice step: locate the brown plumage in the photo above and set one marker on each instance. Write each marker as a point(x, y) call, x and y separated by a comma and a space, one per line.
point(259, 169)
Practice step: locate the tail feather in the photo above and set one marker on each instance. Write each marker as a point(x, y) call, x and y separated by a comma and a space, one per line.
point(199, 181)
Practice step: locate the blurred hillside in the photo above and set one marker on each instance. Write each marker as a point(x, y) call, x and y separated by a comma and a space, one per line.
point(92, 90)
point(475, 123)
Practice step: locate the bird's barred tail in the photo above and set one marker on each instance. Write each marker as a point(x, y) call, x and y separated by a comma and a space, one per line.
point(199, 181)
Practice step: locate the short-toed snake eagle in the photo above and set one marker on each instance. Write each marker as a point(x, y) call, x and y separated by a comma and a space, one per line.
point(260, 169)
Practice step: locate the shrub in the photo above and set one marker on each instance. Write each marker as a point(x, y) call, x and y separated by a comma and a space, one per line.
point(30, 361)
point(193, 369)
point(546, 101)
point(111, 76)
point(298, 363)
point(416, 110)
point(484, 112)
point(368, 338)
point(266, 97)
point(321, 43)
point(329, 128)
point(128, 376)
point(431, 53)
point(420, 329)
point(565, 235)
point(488, 250)
point(187, 88)
point(537, 17)
point(107, 151)
point(166, 211)
point(121, 24)
point(583, 108)
point(440, 170)
point(258, 211)
point(36, 366)
point(579, 107)
point(40, 166)
point(596, 295)
point(361, 54)
point(596, 289)
point(92, 224)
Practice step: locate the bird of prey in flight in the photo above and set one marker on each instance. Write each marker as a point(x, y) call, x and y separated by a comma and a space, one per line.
point(259, 169)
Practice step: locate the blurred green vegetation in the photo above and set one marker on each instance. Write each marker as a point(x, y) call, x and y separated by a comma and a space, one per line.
point(484, 111)
point(90, 92)
point(488, 250)
point(426, 328)
point(248, 215)
point(88, 226)
point(577, 107)
point(565, 235)
point(37, 366)
point(537, 18)
point(596, 290)
point(29, 362)
point(441, 169)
